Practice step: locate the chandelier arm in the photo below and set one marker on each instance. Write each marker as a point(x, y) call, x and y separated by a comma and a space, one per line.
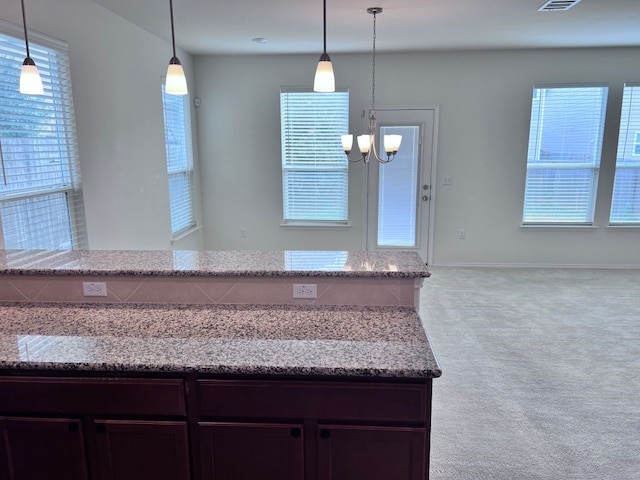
point(374, 150)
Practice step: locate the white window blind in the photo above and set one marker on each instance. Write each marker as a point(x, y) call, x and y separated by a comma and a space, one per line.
point(314, 166)
point(565, 146)
point(625, 204)
point(41, 204)
point(179, 150)
point(398, 190)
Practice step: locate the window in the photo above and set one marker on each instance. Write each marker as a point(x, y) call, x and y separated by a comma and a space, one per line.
point(625, 204)
point(565, 146)
point(178, 141)
point(314, 166)
point(41, 203)
point(398, 190)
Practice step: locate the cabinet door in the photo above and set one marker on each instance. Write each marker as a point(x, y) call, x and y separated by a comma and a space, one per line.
point(242, 451)
point(371, 453)
point(42, 449)
point(134, 450)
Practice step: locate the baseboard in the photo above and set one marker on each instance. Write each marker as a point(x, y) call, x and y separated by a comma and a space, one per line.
point(534, 265)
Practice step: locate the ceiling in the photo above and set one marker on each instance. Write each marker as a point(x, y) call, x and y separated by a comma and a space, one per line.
point(295, 26)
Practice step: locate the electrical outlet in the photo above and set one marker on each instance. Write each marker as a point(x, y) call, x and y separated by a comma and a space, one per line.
point(94, 289)
point(305, 290)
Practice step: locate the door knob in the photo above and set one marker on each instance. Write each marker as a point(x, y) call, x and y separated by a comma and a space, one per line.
point(425, 198)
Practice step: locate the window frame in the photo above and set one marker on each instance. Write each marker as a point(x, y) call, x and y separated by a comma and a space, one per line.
point(534, 151)
point(625, 197)
point(185, 170)
point(340, 166)
point(66, 183)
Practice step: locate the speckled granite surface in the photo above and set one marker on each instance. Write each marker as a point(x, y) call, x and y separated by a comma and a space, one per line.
point(213, 263)
point(248, 339)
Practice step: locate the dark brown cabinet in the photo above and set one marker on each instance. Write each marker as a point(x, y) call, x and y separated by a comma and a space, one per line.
point(91, 443)
point(132, 450)
point(344, 430)
point(42, 449)
point(347, 452)
point(193, 428)
point(239, 451)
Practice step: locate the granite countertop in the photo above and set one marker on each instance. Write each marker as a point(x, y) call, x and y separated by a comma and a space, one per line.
point(246, 339)
point(291, 263)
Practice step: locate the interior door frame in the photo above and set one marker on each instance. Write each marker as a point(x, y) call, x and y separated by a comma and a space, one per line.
point(433, 149)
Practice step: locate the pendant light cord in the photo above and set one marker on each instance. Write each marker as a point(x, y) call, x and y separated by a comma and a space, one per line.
point(173, 36)
point(24, 23)
point(373, 73)
point(324, 16)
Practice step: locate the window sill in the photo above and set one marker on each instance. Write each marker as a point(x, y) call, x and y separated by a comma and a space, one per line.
point(635, 226)
point(303, 224)
point(550, 226)
point(184, 233)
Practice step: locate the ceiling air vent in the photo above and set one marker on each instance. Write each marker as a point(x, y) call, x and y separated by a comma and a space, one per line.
point(558, 5)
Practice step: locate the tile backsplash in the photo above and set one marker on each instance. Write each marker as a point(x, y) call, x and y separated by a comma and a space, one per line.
point(211, 290)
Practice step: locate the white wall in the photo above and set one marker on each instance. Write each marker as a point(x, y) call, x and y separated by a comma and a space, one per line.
point(484, 100)
point(115, 72)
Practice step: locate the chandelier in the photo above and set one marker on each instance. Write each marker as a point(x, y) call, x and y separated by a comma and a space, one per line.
point(367, 143)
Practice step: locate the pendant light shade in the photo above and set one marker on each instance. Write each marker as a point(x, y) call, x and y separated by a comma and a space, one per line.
point(30, 81)
point(324, 80)
point(176, 82)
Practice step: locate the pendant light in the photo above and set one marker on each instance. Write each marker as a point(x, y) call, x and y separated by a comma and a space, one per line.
point(367, 143)
point(324, 80)
point(30, 81)
point(176, 82)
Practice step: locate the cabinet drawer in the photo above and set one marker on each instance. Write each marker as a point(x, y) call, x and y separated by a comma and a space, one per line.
point(92, 396)
point(321, 400)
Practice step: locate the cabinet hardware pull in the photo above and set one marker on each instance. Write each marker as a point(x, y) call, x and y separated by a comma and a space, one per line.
point(101, 428)
point(325, 433)
point(73, 427)
point(296, 432)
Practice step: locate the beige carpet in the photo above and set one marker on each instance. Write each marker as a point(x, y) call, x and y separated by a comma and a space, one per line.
point(541, 373)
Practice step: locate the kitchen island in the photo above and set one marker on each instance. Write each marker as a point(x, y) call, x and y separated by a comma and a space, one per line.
point(182, 390)
point(214, 277)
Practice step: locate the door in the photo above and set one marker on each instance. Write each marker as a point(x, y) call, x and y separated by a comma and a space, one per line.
point(42, 449)
point(371, 453)
point(134, 450)
point(399, 201)
point(243, 451)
